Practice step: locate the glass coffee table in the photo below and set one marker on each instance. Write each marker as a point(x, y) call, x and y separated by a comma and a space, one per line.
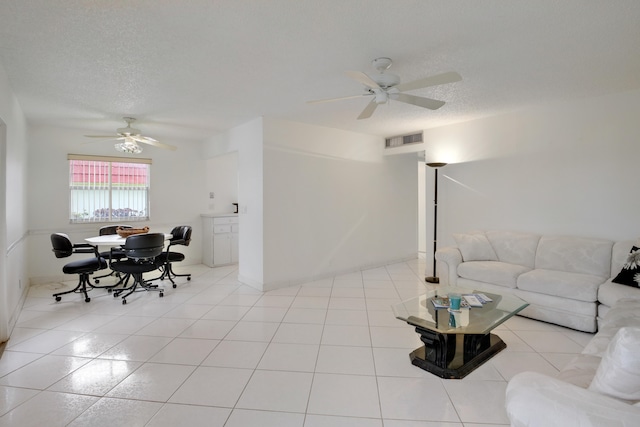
point(456, 341)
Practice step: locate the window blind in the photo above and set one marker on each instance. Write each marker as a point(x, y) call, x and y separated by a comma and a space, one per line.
point(108, 189)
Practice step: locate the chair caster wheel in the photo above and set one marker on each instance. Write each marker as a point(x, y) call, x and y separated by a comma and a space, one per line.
point(175, 286)
point(58, 298)
point(188, 278)
point(161, 294)
point(97, 281)
point(124, 301)
point(87, 299)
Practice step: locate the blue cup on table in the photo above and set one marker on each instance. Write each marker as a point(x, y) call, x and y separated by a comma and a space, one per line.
point(454, 301)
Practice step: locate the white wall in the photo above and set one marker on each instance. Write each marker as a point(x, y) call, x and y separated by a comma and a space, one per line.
point(315, 202)
point(246, 140)
point(13, 220)
point(177, 187)
point(222, 180)
point(333, 203)
point(567, 168)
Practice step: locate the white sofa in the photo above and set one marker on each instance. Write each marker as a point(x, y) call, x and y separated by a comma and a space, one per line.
point(566, 280)
point(598, 388)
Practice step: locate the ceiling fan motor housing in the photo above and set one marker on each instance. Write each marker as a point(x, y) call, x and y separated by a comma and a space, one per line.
point(381, 64)
point(386, 80)
point(128, 131)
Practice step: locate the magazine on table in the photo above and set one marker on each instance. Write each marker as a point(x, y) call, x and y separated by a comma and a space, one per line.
point(476, 300)
point(468, 300)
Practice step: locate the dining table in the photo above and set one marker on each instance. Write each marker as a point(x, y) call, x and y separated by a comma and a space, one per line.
point(115, 239)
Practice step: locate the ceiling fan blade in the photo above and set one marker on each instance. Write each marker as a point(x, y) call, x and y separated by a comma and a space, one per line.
point(103, 138)
point(368, 110)
point(438, 79)
point(155, 143)
point(319, 101)
point(140, 138)
point(431, 104)
point(363, 78)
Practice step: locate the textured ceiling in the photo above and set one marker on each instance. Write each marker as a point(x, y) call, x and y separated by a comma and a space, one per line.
point(190, 69)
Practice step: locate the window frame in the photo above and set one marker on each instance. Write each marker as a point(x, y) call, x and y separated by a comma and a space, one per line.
point(73, 219)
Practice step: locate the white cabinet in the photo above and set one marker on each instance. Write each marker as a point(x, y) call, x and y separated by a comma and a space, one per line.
point(220, 240)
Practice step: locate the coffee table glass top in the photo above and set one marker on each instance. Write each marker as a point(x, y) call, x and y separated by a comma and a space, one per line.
point(421, 312)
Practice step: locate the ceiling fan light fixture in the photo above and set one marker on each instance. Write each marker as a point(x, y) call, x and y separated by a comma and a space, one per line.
point(381, 97)
point(129, 146)
point(131, 139)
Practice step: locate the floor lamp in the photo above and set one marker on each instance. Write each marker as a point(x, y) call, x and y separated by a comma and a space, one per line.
point(435, 166)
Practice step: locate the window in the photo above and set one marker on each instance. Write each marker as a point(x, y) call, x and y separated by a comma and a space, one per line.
point(105, 189)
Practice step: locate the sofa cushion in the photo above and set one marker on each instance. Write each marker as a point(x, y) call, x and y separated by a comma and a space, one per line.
point(630, 272)
point(475, 247)
point(575, 255)
point(626, 312)
point(610, 293)
point(496, 272)
point(619, 372)
point(513, 247)
point(577, 286)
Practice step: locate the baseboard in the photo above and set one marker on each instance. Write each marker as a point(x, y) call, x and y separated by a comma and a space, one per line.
point(35, 281)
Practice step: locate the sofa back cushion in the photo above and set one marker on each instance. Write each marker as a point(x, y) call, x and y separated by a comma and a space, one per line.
point(475, 247)
point(514, 247)
point(575, 254)
point(618, 374)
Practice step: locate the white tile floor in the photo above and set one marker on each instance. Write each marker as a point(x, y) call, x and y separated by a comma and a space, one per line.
point(214, 352)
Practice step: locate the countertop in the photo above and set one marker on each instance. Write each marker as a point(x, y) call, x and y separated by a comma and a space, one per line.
point(218, 215)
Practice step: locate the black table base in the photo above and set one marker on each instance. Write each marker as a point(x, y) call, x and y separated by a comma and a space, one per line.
point(454, 355)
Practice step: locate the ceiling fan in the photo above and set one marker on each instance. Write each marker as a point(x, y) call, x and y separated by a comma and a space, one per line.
point(130, 138)
point(385, 86)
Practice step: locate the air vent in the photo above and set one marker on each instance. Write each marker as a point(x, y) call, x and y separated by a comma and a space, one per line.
point(399, 141)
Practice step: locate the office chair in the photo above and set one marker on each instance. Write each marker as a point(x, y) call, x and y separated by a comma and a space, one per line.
point(62, 248)
point(118, 255)
point(141, 251)
point(181, 236)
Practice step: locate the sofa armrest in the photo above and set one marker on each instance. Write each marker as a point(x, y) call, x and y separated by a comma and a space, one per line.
point(448, 260)
point(536, 400)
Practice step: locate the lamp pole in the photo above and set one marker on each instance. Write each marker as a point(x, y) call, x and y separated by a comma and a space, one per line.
point(435, 166)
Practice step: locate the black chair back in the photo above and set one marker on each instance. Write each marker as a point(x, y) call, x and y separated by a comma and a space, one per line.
point(181, 235)
point(186, 235)
point(176, 233)
point(110, 229)
point(62, 246)
point(144, 246)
